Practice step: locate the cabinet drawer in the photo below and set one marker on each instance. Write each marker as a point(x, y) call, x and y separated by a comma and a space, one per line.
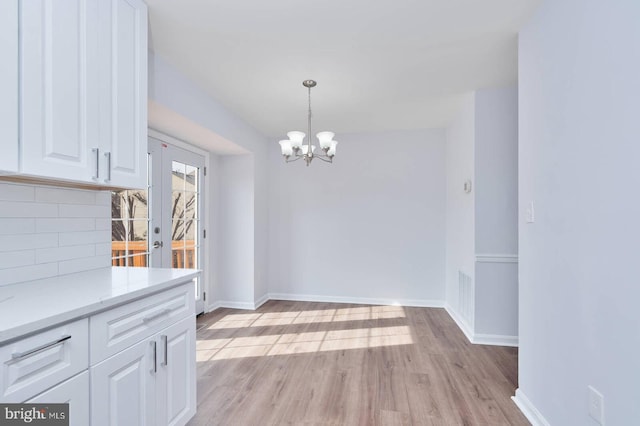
point(119, 328)
point(34, 364)
point(74, 392)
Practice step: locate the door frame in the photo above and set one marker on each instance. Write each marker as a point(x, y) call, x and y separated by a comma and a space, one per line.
point(206, 207)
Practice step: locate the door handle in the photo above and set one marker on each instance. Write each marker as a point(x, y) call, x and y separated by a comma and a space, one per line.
point(158, 244)
point(165, 361)
point(155, 357)
point(97, 151)
point(108, 155)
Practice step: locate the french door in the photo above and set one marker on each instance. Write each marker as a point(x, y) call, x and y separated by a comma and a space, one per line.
point(161, 226)
point(176, 210)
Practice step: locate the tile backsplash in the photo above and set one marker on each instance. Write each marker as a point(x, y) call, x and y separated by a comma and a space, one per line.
point(47, 231)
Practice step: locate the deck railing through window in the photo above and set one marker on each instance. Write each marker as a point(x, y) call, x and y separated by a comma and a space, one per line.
point(182, 253)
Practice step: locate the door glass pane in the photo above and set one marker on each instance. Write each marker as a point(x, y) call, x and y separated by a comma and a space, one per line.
point(185, 196)
point(129, 227)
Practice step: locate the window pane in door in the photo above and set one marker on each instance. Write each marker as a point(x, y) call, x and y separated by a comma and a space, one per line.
point(185, 194)
point(129, 228)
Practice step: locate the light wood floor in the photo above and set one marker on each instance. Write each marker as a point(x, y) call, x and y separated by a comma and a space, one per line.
point(291, 363)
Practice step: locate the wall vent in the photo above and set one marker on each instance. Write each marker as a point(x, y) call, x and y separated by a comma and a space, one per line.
point(465, 297)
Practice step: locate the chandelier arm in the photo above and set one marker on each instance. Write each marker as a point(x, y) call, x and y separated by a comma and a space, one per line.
point(324, 158)
point(294, 159)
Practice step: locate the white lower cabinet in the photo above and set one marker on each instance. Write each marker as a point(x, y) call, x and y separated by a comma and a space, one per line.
point(134, 364)
point(72, 392)
point(150, 383)
point(177, 373)
point(123, 390)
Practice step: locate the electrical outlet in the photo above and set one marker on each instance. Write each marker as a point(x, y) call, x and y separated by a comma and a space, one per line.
point(596, 405)
point(530, 214)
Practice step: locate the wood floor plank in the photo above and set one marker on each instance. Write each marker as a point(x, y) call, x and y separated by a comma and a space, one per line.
point(306, 363)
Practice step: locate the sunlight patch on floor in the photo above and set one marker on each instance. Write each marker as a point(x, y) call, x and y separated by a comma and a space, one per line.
point(300, 343)
point(268, 319)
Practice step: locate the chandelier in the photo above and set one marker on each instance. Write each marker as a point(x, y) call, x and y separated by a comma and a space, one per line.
point(293, 148)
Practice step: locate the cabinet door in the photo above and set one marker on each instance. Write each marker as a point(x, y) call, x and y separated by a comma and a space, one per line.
point(123, 387)
point(58, 89)
point(74, 392)
point(123, 91)
point(177, 374)
point(9, 86)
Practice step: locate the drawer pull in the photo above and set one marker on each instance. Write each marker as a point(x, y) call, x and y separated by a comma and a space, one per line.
point(19, 355)
point(159, 314)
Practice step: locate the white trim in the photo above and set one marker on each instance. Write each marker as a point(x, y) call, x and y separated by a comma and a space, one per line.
point(496, 258)
point(422, 303)
point(207, 207)
point(212, 307)
point(495, 340)
point(235, 305)
point(480, 339)
point(462, 324)
point(163, 137)
point(261, 301)
point(528, 409)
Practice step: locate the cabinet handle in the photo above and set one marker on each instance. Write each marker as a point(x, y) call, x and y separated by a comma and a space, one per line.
point(19, 355)
point(159, 314)
point(155, 362)
point(97, 151)
point(108, 155)
point(164, 343)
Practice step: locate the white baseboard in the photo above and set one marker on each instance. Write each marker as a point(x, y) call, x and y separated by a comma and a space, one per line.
point(462, 324)
point(235, 305)
point(528, 409)
point(264, 299)
point(212, 307)
point(422, 303)
point(495, 340)
point(477, 338)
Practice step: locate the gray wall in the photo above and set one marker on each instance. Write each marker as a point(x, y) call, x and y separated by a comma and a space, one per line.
point(369, 227)
point(579, 103)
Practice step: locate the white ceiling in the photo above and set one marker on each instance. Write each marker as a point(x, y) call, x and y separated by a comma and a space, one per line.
point(380, 64)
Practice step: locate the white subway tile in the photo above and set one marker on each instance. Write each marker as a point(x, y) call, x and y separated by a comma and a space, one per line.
point(103, 198)
point(26, 209)
point(86, 264)
point(83, 210)
point(65, 253)
point(28, 273)
point(103, 224)
point(14, 192)
point(10, 243)
point(65, 225)
point(103, 248)
point(12, 226)
point(48, 194)
point(84, 237)
point(14, 259)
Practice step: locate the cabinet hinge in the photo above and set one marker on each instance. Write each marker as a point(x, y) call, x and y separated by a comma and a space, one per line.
point(204, 296)
point(204, 233)
point(205, 171)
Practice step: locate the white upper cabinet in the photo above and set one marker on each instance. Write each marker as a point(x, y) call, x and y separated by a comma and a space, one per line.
point(59, 93)
point(9, 86)
point(123, 95)
point(83, 91)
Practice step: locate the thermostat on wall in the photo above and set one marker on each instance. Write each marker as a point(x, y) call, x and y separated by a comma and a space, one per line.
point(467, 186)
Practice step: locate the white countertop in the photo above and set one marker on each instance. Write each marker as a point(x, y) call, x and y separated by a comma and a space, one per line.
point(33, 305)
